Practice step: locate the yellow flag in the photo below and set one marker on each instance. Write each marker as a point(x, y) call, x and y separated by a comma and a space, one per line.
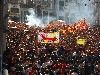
point(81, 41)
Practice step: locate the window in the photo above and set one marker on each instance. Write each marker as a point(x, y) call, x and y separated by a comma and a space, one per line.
point(54, 3)
point(45, 16)
point(72, 18)
point(9, 1)
point(45, 13)
point(21, 16)
point(61, 5)
point(21, 1)
point(67, 17)
point(48, 5)
point(15, 19)
point(61, 17)
point(48, 0)
point(12, 1)
point(70, 0)
point(44, 2)
point(66, 0)
point(15, 10)
point(25, 13)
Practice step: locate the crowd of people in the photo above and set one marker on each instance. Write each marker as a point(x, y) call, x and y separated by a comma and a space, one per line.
point(24, 55)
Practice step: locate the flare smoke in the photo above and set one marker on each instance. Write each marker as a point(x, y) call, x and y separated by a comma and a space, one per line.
point(32, 19)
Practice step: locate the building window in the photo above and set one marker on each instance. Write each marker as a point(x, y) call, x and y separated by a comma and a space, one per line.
point(67, 18)
point(44, 2)
point(61, 18)
point(48, 5)
point(70, 1)
point(72, 18)
point(15, 19)
point(45, 13)
point(25, 13)
point(12, 1)
point(66, 0)
point(15, 10)
point(45, 16)
point(21, 16)
point(61, 5)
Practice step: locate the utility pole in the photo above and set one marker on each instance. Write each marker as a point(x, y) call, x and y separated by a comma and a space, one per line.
point(3, 27)
point(1, 32)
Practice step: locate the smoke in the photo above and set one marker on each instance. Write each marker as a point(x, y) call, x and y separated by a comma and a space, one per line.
point(80, 10)
point(49, 19)
point(33, 20)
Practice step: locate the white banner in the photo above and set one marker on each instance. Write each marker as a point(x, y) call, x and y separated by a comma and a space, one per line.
point(48, 37)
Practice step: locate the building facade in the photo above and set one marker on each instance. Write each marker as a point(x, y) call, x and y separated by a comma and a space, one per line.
point(14, 9)
point(68, 10)
point(72, 10)
point(43, 8)
point(19, 8)
point(97, 11)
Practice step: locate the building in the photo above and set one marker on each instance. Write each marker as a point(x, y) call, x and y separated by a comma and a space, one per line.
point(73, 10)
point(68, 10)
point(42, 8)
point(97, 11)
point(14, 9)
point(19, 8)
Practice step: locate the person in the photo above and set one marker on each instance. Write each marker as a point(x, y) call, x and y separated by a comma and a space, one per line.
point(87, 68)
point(58, 72)
point(1, 73)
point(5, 72)
point(48, 62)
point(60, 51)
point(54, 57)
point(74, 73)
point(18, 43)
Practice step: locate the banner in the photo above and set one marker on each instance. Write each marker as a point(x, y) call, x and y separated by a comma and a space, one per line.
point(48, 37)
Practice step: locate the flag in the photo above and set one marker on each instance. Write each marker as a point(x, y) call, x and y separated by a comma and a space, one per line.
point(81, 41)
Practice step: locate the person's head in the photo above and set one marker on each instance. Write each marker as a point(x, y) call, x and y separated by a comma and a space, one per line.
point(47, 71)
point(58, 72)
point(54, 53)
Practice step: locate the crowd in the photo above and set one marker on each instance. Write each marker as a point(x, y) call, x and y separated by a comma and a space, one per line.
point(25, 56)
